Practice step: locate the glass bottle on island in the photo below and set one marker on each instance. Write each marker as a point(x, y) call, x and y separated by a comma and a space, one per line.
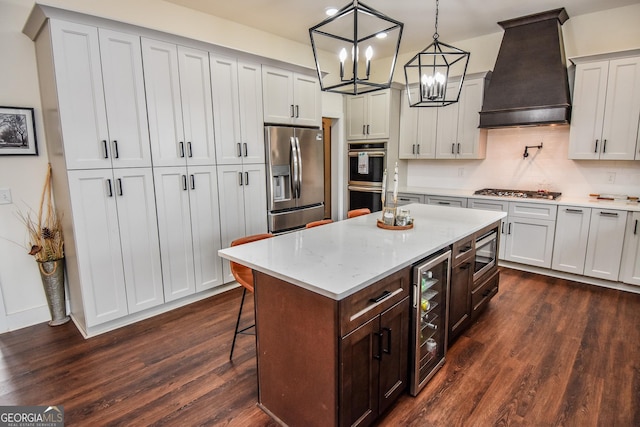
point(391, 217)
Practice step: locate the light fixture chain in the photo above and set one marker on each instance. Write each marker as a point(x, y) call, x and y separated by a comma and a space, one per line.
point(436, 35)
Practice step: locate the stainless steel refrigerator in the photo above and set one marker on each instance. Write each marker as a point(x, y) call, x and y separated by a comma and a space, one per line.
point(295, 176)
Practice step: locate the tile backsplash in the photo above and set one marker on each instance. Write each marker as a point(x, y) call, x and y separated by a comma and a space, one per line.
point(547, 168)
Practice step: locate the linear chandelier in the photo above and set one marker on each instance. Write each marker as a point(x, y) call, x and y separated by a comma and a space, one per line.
point(346, 44)
point(435, 75)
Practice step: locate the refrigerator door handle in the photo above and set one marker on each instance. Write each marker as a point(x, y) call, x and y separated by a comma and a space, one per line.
point(299, 167)
point(294, 167)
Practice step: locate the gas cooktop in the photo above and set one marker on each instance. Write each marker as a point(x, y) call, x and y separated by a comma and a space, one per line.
point(524, 194)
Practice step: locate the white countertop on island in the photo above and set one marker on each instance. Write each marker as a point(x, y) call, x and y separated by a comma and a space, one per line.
point(341, 258)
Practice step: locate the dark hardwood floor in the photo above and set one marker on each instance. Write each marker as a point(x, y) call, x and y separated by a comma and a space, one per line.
point(546, 352)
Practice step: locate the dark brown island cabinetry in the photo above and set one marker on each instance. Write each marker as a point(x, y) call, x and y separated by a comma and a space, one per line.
point(325, 362)
point(474, 280)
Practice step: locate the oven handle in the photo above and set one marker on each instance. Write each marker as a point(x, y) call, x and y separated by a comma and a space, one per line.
point(369, 153)
point(486, 239)
point(365, 189)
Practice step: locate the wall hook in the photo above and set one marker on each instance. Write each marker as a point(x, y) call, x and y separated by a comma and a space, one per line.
point(526, 150)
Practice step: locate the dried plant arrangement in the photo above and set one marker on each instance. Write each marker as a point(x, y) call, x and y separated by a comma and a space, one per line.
point(45, 231)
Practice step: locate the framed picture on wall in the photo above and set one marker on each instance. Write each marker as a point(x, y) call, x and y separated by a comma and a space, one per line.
point(17, 132)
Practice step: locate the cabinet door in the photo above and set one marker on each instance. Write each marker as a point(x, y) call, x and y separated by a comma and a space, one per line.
point(125, 102)
point(251, 116)
point(447, 144)
point(97, 240)
point(162, 87)
point(460, 298)
point(359, 372)
point(471, 139)
point(83, 117)
point(232, 211)
point(356, 106)
point(174, 224)
point(306, 92)
point(427, 129)
point(255, 199)
point(604, 247)
point(408, 127)
point(197, 107)
point(205, 226)
point(224, 79)
point(622, 110)
point(394, 329)
point(277, 95)
point(378, 111)
point(587, 110)
point(136, 205)
point(530, 241)
point(630, 267)
point(570, 243)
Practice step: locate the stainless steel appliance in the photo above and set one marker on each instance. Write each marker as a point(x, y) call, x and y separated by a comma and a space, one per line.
point(524, 194)
point(430, 313)
point(295, 176)
point(486, 252)
point(367, 162)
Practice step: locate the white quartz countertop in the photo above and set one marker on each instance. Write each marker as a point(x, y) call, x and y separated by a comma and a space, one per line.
point(341, 258)
point(587, 202)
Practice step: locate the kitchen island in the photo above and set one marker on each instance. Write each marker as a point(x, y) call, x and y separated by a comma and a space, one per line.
point(326, 296)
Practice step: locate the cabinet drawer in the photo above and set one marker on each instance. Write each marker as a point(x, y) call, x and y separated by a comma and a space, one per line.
point(487, 288)
point(462, 250)
point(364, 305)
point(406, 198)
point(533, 210)
point(458, 202)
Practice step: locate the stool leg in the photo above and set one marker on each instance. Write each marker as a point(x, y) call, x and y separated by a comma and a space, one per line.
point(235, 333)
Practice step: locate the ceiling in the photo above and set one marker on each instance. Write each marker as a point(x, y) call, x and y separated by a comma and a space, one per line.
point(458, 19)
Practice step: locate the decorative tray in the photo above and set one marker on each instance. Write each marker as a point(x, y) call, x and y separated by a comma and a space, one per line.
point(381, 224)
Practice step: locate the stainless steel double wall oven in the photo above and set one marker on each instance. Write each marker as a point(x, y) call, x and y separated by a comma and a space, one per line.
point(367, 162)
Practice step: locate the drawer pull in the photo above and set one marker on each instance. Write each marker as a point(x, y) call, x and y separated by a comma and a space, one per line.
point(381, 297)
point(613, 214)
point(578, 211)
point(487, 292)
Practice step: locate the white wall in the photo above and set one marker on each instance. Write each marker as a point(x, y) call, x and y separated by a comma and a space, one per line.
point(22, 300)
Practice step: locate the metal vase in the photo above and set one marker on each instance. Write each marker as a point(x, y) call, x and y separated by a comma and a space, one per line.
point(52, 274)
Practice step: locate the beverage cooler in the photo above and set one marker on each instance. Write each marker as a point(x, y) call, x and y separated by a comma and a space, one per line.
point(430, 312)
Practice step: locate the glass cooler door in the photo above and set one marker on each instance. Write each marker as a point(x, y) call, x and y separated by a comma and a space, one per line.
point(429, 319)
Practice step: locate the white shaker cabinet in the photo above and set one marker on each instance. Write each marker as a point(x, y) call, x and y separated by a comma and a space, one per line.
point(570, 243)
point(116, 243)
point(368, 115)
point(100, 92)
point(630, 267)
point(244, 212)
point(178, 89)
point(188, 219)
point(457, 135)
point(529, 233)
point(605, 109)
point(237, 108)
point(290, 98)
point(604, 247)
point(417, 130)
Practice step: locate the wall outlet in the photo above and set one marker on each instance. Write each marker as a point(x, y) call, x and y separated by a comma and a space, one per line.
point(5, 196)
point(611, 177)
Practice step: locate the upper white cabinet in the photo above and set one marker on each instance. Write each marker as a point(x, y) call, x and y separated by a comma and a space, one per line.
point(606, 109)
point(368, 115)
point(290, 98)
point(449, 132)
point(237, 108)
point(604, 247)
point(178, 89)
point(630, 267)
point(100, 91)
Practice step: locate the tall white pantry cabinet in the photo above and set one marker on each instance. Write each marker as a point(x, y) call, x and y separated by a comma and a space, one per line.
point(130, 138)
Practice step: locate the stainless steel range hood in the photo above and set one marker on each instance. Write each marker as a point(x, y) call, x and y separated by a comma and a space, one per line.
point(529, 85)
